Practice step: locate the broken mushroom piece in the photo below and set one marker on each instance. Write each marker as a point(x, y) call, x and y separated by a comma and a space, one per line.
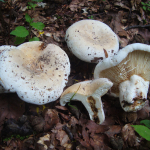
point(130, 73)
point(89, 93)
point(37, 73)
point(91, 40)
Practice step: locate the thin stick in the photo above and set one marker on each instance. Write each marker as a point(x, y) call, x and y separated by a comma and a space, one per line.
point(137, 26)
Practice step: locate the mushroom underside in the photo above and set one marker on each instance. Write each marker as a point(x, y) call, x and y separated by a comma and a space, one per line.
point(135, 64)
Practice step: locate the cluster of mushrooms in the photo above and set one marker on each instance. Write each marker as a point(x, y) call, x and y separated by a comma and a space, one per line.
point(38, 73)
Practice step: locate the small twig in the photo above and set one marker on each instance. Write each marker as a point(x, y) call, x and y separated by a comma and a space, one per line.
point(137, 26)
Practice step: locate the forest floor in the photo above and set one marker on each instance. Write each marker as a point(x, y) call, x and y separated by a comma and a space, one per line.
point(53, 127)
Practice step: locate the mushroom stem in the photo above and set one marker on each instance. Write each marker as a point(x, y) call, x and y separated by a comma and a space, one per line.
point(92, 103)
point(133, 93)
point(95, 108)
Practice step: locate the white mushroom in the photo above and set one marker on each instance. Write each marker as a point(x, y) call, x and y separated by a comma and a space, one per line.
point(89, 93)
point(91, 40)
point(5, 48)
point(130, 73)
point(37, 73)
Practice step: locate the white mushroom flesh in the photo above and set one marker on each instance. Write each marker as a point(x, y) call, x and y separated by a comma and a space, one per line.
point(89, 93)
point(133, 92)
point(91, 40)
point(37, 73)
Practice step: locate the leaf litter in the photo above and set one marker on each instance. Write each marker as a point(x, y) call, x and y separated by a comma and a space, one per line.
point(58, 127)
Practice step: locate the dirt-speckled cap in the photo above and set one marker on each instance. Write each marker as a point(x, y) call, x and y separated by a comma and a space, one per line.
point(91, 40)
point(36, 72)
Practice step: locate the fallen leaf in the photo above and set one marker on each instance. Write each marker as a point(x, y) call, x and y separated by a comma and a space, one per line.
point(114, 129)
point(129, 136)
point(51, 119)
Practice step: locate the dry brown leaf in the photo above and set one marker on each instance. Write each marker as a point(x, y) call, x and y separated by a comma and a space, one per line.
point(114, 129)
point(61, 108)
point(97, 141)
point(37, 123)
point(129, 136)
point(144, 113)
point(63, 138)
point(95, 128)
point(51, 119)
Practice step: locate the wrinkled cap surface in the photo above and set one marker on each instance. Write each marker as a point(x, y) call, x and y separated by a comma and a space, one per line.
point(91, 40)
point(38, 73)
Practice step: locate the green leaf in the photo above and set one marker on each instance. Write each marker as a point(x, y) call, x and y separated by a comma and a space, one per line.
point(38, 25)
point(28, 18)
point(20, 31)
point(146, 123)
point(31, 5)
point(143, 3)
point(144, 8)
point(34, 39)
point(142, 131)
point(1, 0)
point(37, 0)
point(19, 40)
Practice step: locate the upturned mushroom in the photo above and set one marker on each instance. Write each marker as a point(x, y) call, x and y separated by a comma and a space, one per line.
point(91, 40)
point(130, 73)
point(37, 73)
point(89, 93)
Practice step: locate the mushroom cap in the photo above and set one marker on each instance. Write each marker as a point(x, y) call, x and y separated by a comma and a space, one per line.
point(91, 40)
point(37, 73)
point(6, 47)
point(131, 60)
point(89, 93)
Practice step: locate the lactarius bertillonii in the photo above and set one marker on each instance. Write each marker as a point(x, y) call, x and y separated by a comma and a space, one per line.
point(130, 73)
point(91, 40)
point(89, 93)
point(37, 73)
